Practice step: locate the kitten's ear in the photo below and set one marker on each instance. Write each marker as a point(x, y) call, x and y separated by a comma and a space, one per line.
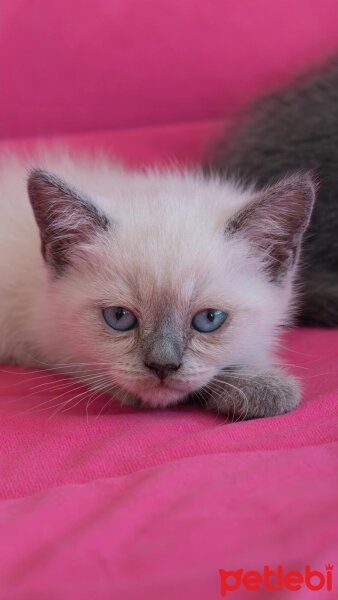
point(275, 221)
point(66, 217)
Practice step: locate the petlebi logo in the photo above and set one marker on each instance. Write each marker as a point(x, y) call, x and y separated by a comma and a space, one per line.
point(276, 578)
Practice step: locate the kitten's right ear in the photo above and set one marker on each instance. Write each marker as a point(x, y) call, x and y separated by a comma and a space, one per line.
point(66, 217)
point(275, 220)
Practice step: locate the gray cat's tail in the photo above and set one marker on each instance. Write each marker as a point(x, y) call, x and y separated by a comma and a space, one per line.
point(319, 299)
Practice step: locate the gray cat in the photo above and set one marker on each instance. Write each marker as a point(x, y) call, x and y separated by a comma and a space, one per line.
point(296, 129)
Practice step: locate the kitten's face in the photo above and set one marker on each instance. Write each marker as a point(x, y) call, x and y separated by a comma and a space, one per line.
point(160, 296)
point(164, 307)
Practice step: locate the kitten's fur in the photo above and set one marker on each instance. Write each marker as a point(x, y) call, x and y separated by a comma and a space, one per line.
point(166, 246)
point(291, 129)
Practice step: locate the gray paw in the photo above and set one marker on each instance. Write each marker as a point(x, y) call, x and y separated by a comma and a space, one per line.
point(242, 395)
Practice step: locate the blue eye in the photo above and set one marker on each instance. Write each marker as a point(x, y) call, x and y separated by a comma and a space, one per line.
point(208, 320)
point(119, 318)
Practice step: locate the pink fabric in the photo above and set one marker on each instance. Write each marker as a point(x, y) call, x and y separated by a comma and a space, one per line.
point(149, 505)
point(184, 143)
point(98, 64)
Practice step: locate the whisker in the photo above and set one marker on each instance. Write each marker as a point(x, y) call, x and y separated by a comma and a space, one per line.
point(77, 384)
point(84, 377)
point(246, 402)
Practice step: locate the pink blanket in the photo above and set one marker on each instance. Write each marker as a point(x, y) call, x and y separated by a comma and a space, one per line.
point(128, 504)
point(102, 64)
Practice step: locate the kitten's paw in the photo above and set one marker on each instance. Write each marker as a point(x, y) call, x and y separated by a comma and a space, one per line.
point(243, 395)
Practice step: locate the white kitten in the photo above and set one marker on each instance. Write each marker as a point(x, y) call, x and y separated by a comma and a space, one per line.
point(152, 285)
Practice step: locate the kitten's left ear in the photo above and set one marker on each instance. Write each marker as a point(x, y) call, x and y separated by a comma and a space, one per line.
point(66, 218)
point(275, 220)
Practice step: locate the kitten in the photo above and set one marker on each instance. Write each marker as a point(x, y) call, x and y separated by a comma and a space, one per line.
point(293, 129)
point(152, 286)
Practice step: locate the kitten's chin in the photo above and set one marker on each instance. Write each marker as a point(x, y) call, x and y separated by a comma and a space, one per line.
point(154, 396)
point(161, 397)
point(157, 395)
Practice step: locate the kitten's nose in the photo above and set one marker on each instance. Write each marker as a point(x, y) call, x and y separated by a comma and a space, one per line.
point(162, 371)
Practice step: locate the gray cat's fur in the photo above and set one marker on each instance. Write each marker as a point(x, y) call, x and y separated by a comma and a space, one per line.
point(295, 129)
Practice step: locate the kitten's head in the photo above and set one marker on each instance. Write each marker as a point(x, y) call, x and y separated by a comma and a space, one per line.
point(167, 279)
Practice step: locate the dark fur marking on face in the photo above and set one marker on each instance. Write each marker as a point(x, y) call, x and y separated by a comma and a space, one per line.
point(275, 221)
point(165, 344)
point(65, 217)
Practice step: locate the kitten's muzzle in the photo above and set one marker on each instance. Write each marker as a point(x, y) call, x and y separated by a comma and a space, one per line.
point(162, 370)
